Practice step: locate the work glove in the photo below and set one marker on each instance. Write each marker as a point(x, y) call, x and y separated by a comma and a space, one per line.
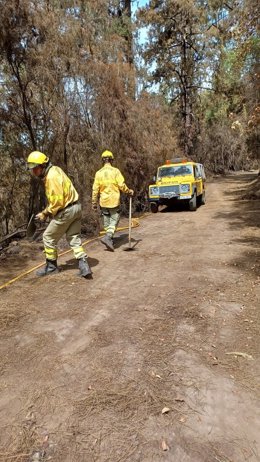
point(94, 207)
point(40, 217)
point(131, 192)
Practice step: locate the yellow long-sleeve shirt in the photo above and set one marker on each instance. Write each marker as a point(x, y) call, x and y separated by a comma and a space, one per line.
point(59, 190)
point(107, 185)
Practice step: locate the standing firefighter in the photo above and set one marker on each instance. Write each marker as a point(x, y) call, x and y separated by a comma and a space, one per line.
point(64, 209)
point(108, 183)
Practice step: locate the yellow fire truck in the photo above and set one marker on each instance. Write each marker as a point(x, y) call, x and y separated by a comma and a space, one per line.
point(178, 179)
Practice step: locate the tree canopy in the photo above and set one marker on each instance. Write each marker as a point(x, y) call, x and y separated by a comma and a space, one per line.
point(76, 79)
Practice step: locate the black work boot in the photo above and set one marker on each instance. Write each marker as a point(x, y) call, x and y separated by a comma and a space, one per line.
point(49, 268)
point(108, 242)
point(84, 269)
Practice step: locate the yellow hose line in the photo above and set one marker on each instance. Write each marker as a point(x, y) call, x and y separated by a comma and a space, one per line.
point(134, 224)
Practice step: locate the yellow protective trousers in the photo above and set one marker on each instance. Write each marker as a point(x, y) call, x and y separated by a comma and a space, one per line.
point(68, 222)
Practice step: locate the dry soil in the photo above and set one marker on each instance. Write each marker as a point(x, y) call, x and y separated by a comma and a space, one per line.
point(155, 359)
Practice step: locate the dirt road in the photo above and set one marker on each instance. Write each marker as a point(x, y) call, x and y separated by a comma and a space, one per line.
point(88, 367)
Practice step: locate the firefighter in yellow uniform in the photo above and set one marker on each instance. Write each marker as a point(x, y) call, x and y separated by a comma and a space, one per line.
point(65, 212)
point(108, 183)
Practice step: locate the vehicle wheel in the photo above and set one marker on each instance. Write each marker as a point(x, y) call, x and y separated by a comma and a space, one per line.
point(154, 207)
point(193, 203)
point(203, 198)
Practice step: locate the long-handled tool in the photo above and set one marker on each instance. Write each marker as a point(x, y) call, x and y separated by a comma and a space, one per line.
point(130, 226)
point(31, 227)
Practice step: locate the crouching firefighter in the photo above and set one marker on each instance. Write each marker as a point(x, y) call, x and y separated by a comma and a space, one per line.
point(65, 212)
point(108, 184)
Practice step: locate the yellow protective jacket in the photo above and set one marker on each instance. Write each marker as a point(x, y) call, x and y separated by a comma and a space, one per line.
point(108, 183)
point(59, 191)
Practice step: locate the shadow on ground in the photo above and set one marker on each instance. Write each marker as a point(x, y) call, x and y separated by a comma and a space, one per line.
point(174, 208)
point(122, 240)
point(73, 264)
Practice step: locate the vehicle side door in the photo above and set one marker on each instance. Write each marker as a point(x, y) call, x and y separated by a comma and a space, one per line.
point(198, 179)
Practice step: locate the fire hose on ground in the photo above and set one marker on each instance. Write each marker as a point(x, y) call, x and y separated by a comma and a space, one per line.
point(134, 224)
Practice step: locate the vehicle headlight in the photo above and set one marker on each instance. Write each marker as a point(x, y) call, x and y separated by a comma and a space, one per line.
point(154, 191)
point(185, 188)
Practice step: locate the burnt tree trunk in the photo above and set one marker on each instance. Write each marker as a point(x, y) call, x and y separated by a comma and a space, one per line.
point(129, 55)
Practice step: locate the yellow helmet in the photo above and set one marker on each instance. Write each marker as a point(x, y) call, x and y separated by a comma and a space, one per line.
point(107, 155)
point(36, 158)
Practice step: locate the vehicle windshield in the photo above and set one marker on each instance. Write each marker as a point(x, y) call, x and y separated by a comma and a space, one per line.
point(175, 170)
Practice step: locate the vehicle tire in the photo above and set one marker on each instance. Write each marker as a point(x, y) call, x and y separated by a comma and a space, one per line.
point(193, 203)
point(203, 198)
point(154, 207)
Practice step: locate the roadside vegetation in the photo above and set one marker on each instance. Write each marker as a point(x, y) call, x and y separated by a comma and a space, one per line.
point(77, 78)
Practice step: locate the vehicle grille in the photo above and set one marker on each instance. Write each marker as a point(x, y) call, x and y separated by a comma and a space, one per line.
point(169, 189)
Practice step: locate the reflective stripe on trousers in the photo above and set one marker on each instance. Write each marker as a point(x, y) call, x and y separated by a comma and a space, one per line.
point(50, 254)
point(68, 222)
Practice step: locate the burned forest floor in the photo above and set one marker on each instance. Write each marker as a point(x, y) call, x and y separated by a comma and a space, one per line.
point(157, 358)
